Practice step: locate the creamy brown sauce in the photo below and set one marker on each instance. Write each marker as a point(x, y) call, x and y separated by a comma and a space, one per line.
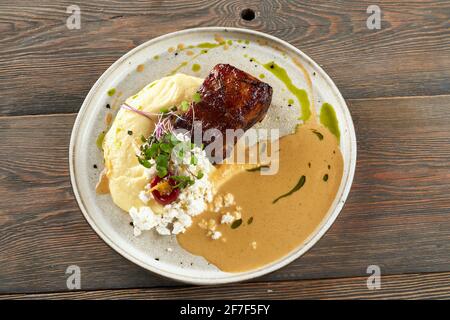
point(276, 228)
point(102, 186)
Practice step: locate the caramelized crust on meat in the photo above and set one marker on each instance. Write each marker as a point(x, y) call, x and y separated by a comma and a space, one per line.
point(230, 99)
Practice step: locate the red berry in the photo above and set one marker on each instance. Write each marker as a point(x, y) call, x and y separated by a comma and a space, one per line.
point(165, 198)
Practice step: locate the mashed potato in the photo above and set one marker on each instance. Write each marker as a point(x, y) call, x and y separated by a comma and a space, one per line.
point(127, 178)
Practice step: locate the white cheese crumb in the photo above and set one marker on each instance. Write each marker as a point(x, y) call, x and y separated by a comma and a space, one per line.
point(143, 197)
point(150, 172)
point(178, 228)
point(169, 249)
point(218, 203)
point(143, 219)
point(227, 218)
point(162, 230)
point(228, 200)
point(185, 220)
point(216, 235)
point(253, 245)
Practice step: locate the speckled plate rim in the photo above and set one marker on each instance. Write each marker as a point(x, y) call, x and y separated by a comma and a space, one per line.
point(232, 277)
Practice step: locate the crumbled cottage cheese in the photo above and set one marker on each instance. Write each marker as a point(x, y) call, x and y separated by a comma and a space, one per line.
point(193, 200)
point(216, 235)
point(144, 197)
point(228, 200)
point(230, 217)
point(218, 203)
point(221, 202)
point(227, 218)
point(150, 172)
point(210, 226)
point(143, 219)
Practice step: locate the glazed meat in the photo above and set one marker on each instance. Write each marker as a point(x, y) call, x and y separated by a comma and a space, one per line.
point(230, 99)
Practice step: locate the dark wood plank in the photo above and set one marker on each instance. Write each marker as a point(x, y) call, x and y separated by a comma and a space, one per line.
point(397, 215)
point(407, 286)
point(46, 68)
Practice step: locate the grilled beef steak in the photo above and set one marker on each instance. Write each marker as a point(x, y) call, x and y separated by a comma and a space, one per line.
point(230, 99)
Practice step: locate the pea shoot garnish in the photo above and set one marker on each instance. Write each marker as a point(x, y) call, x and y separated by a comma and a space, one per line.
point(168, 155)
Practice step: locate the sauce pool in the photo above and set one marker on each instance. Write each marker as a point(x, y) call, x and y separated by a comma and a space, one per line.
point(272, 229)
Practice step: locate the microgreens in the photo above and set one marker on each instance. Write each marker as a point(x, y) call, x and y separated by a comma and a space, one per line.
point(162, 145)
point(160, 152)
point(184, 105)
point(197, 98)
point(183, 181)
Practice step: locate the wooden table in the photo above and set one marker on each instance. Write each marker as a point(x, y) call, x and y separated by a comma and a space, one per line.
point(396, 81)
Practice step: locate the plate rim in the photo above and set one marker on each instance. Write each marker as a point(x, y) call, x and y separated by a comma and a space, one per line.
point(238, 276)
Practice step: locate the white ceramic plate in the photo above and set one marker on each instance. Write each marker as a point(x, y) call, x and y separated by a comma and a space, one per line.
point(111, 223)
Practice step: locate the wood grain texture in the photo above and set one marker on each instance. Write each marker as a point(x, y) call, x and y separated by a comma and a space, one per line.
point(407, 286)
point(47, 68)
point(397, 215)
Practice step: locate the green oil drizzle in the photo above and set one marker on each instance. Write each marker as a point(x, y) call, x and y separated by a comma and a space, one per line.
point(196, 67)
point(230, 42)
point(328, 119)
point(262, 76)
point(291, 101)
point(236, 224)
point(208, 45)
point(156, 57)
point(247, 41)
point(111, 92)
point(181, 65)
point(258, 168)
point(204, 46)
point(318, 134)
point(100, 138)
point(300, 94)
point(297, 187)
